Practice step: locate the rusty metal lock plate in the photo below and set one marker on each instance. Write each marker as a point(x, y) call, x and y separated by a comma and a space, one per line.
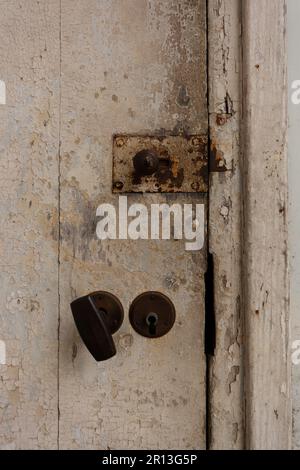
point(160, 164)
point(152, 314)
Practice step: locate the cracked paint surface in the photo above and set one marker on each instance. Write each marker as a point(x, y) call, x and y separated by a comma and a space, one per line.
point(152, 393)
point(77, 74)
point(29, 199)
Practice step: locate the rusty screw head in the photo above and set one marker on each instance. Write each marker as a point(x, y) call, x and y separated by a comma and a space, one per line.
point(221, 119)
point(118, 185)
point(196, 141)
point(145, 162)
point(195, 186)
point(120, 142)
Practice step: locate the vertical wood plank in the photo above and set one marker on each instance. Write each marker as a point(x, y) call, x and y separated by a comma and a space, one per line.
point(29, 127)
point(265, 266)
point(226, 371)
point(134, 66)
point(293, 15)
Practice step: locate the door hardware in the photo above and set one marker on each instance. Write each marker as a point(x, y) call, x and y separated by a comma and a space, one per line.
point(97, 317)
point(146, 162)
point(160, 164)
point(152, 314)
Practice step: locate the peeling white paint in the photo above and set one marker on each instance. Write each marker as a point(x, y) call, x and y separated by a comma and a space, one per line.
point(226, 367)
point(151, 68)
point(2, 92)
point(2, 352)
point(293, 8)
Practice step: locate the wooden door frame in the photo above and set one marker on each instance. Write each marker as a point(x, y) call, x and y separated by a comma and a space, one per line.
point(250, 373)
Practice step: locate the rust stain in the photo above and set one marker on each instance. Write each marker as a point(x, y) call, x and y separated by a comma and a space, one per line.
point(180, 163)
point(223, 118)
point(175, 166)
point(216, 159)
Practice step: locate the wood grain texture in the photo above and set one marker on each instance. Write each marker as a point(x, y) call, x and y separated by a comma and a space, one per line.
point(226, 367)
point(129, 67)
point(265, 266)
point(29, 140)
point(293, 34)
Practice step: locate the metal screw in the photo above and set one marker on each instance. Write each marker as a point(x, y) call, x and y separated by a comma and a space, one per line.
point(195, 186)
point(221, 119)
point(119, 185)
point(196, 141)
point(120, 142)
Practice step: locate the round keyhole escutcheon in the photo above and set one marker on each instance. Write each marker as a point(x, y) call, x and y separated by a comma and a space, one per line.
point(152, 314)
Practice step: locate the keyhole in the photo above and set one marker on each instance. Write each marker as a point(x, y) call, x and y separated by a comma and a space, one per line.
point(152, 320)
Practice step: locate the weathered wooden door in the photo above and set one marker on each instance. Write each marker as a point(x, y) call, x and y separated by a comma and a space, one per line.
point(77, 72)
point(133, 67)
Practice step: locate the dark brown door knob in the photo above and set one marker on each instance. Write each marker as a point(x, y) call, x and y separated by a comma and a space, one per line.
point(146, 162)
point(98, 316)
